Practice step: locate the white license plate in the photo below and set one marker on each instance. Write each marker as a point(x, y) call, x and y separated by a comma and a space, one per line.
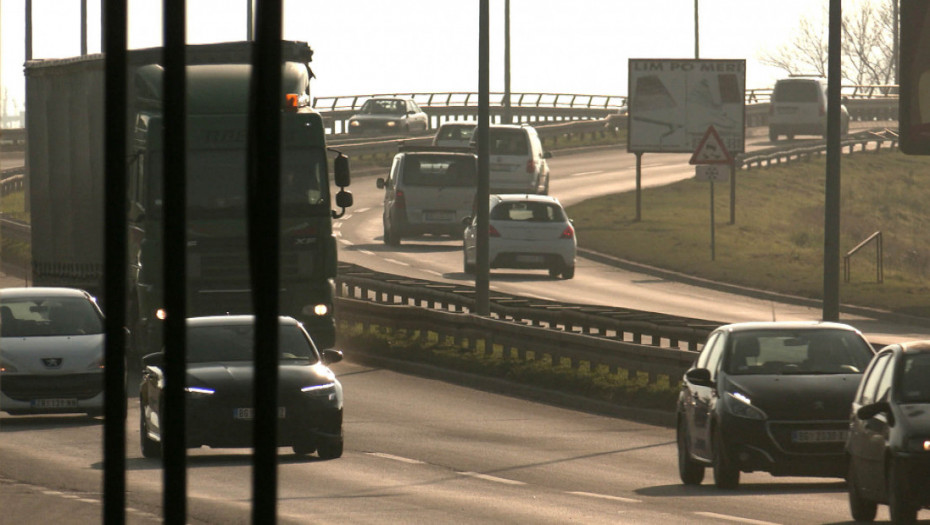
point(819, 436)
point(249, 413)
point(438, 215)
point(529, 258)
point(54, 403)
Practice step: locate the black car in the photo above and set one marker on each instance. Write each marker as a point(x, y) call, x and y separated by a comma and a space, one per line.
point(219, 389)
point(771, 397)
point(889, 438)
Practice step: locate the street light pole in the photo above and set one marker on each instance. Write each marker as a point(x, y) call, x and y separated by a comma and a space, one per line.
point(507, 117)
point(697, 50)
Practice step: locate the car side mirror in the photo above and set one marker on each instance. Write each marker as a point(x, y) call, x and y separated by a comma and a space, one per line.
point(341, 171)
point(466, 222)
point(331, 356)
point(699, 377)
point(380, 183)
point(873, 409)
point(547, 155)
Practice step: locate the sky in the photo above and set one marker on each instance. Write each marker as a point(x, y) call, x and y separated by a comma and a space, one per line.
point(414, 46)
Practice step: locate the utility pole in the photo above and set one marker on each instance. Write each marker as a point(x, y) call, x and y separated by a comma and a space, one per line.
point(831, 242)
point(507, 117)
point(697, 39)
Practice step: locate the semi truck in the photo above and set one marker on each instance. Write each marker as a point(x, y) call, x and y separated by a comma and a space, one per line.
point(65, 178)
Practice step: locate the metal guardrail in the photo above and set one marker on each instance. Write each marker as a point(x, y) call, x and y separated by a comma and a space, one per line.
point(879, 138)
point(879, 257)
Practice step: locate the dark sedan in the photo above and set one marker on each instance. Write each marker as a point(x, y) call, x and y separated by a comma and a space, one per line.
point(889, 439)
point(771, 397)
point(219, 389)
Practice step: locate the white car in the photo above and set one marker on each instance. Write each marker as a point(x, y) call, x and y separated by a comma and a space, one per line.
point(799, 107)
point(525, 231)
point(455, 134)
point(51, 351)
point(518, 162)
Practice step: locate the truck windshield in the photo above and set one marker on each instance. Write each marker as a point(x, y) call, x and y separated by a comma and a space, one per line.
point(216, 180)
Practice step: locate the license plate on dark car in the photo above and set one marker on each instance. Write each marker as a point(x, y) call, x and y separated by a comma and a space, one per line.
point(55, 403)
point(249, 413)
point(819, 436)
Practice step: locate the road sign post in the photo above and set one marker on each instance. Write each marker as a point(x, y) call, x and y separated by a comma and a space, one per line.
point(713, 163)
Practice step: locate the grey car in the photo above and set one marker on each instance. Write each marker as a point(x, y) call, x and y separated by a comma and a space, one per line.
point(388, 116)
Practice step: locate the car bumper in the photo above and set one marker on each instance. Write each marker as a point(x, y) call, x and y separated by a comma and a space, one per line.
point(51, 394)
point(771, 446)
point(216, 426)
point(914, 470)
point(527, 254)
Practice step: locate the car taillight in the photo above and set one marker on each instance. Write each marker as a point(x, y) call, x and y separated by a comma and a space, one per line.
point(567, 233)
point(492, 231)
point(531, 166)
point(400, 201)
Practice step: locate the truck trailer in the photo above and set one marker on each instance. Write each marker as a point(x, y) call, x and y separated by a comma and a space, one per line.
point(65, 179)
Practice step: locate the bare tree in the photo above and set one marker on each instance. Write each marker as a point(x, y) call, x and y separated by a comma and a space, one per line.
point(868, 45)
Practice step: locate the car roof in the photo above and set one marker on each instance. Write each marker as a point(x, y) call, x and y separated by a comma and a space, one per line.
point(786, 325)
point(459, 124)
point(517, 197)
point(42, 291)
point(233, 320)
point(389, 98)
point(916, 347)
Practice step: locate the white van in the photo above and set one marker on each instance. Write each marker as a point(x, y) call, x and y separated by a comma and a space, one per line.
point(428, 191)
point(518, 161)
point(455, 134)
point(799, 107)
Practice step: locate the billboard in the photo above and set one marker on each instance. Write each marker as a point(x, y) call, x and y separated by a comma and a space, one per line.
point(672, 103)
point(914, 106)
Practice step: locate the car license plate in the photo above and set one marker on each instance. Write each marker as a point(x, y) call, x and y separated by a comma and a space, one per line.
point(249, 413)
point(819, 436)
point(438, 216)
point(55, 403)
point(529, 258)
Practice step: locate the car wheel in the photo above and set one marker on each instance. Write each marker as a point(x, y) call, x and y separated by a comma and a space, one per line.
point(860, 508)
point(773, 136)
point(150, 447)
point(726, 475)
point(568, 272)
point(391, 238)
point(899, 506)
point(330, 450)
point(553, 272)
point(691, 472)
point(468, 268)
point(304, 449)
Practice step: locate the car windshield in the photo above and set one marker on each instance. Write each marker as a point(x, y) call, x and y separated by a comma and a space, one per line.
point(383, 107)
point(440, 170)
point(799, 352)
point(527, 211)
point(220, 343)
point(49, 316)
point(914, 386)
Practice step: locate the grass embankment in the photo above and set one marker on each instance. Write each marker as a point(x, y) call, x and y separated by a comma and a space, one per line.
point(777, 240)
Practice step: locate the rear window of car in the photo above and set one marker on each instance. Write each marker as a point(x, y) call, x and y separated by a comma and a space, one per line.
point(206, 344)
point(456, 132)
point(796, 92)
point(440, 170)
point(801, 352)
point(38, 317)
point(508, 142)
point(527, 211)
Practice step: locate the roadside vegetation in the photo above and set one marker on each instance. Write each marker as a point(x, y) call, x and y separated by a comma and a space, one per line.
point(777, 240)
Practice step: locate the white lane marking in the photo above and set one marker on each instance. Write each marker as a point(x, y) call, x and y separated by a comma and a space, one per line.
point(495, 479)
point(584, 173)
point(366, 252)
point(606, 496)
point(395, 458)
point(361, 210)
point(395, 261)
point(337, 225)
point(737, 519)
point(347, 242)
point(434, 272)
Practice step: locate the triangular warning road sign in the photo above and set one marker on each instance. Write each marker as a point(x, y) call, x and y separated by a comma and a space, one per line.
point(711, 150)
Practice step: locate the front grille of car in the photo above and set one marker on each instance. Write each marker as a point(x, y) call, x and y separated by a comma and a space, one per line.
point(781, 433)
point(27, 388)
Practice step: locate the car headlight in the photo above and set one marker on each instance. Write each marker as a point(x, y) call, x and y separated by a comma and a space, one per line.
point(318, 310)
point(741, 406)
point(921, 444)
point(6, 367)
point(98, 364)
point(327, 391)
point(198, 392)
point(390, 124)
point(354, 124)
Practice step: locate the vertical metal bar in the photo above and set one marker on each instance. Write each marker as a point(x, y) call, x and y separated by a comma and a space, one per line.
point(732, 167)
point(264, 217)
point(115, 249)
point(713, 243)
point(83, 27)
point(174, 261)
point(697, 39)
point(508, 114)
point(28, 29)
point(482, 269)
point(831, 252)
point(639, 185)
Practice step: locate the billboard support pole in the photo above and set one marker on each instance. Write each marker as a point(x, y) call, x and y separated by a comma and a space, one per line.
point(639, 185)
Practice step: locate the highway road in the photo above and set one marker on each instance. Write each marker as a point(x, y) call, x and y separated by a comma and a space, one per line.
point(425, 450)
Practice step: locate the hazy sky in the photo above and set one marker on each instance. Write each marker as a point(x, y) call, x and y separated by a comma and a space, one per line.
point(381, 46)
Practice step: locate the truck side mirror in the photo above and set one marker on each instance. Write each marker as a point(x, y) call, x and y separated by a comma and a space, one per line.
point(343, 200)
point(341, 170)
